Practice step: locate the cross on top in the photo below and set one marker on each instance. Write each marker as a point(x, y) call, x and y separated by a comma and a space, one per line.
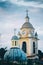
point(27, 12)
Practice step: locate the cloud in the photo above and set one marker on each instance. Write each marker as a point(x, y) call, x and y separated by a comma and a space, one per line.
point(40, 45)
point(5, 4)
point(5, 40)
point(10, 4)
point(12, 15)
point(30, 4)
point(35, 0)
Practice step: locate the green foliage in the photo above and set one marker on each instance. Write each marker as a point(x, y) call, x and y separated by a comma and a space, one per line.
point(2, 52)
point(40, 54)
point(30, 62)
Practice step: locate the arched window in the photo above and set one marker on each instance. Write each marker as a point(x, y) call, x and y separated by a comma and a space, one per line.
point(24, 46)
point(12, 43)
point(15, 43)
point(33, 47)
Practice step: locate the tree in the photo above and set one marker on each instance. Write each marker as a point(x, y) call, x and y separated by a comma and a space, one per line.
point(40, 54)
point(2, 52)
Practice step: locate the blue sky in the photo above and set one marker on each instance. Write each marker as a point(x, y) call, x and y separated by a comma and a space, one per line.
point(12, 14)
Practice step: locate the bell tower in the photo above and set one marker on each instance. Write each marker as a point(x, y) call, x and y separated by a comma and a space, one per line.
point(28, 40)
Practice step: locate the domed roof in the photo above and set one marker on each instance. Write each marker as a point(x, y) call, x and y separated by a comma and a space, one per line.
point(15, 38)
point(27, 25)
point(15, 54)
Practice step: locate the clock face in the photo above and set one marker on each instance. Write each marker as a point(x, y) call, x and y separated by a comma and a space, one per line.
point(23, 32)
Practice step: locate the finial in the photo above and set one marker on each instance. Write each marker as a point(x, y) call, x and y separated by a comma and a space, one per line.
point(15, 31)
point(26, 12)
point(27, 17)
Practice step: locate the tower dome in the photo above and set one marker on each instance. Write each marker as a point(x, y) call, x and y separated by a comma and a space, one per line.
point(27, 24)
point(15, 54)
point(15, 38)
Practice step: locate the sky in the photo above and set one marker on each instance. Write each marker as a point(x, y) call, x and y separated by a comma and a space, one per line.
point(12, 15)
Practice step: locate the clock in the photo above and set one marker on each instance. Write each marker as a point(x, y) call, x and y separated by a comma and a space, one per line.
point(23, 32)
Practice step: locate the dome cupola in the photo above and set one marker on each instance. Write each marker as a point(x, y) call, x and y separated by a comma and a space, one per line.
point(14, 40)
point(15, 54)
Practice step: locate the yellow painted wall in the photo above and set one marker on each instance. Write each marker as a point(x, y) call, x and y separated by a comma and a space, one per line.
point(27, 45)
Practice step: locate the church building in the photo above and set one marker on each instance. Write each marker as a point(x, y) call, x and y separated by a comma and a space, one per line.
point(28, 39)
